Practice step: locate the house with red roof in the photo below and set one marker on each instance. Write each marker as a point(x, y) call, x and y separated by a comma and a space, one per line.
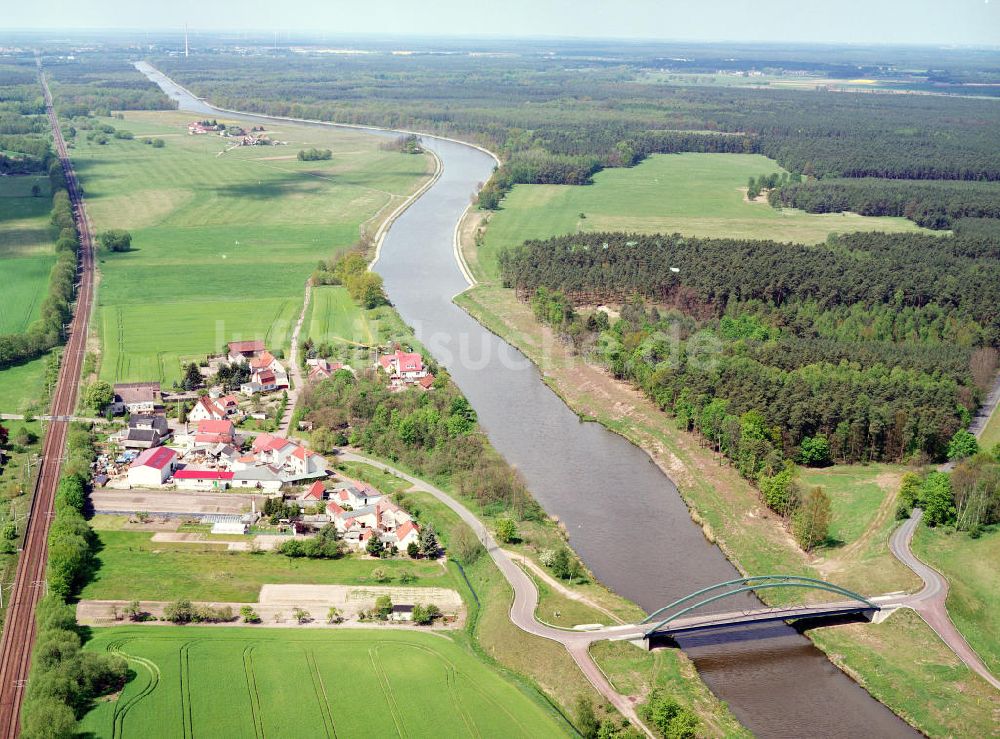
point(191, 479)
point(403, 368)
point(152, 467)
point(405, 533)
point(229, 403)
point(207, 409)
point(314, 494)
point(212, 431)
point(242, 351)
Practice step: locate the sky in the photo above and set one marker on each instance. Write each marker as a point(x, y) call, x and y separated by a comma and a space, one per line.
point(948, 22)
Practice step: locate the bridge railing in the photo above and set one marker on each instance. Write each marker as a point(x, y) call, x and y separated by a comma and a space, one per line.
point(747, 585)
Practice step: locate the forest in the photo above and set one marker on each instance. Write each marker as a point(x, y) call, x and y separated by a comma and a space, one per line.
point(608, 112)
point(932, 204)
point(879, 345)
point(98, 83)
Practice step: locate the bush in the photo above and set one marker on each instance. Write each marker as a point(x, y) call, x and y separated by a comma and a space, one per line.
point(179, 612)
point(314, 155)
point(463, 545)
point(424, 615)
point(249, 615)
point(116, 240)
point(669, 718)
point(506, 530)
point(383, 606)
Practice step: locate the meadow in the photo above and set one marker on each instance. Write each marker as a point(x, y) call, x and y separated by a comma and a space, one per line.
point(352, 683)
point(991, 434)
point(333, 317)
point(27, 249)
point(974, 584)
point(131, 565)
point(692, 194)
point(222, 241)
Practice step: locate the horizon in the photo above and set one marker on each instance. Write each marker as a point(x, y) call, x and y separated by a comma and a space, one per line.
point(967, 23)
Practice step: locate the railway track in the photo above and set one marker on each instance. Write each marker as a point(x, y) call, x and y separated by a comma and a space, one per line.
point(29, 582)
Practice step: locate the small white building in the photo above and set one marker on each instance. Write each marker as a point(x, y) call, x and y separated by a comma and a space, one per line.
point(207, 409)
point(152, 467)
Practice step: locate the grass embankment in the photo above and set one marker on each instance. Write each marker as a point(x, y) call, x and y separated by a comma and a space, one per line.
point(906, 666)
point(242, 682)
point(972, 567)
point(223, 244)
point(130, 565)
point(693, 194)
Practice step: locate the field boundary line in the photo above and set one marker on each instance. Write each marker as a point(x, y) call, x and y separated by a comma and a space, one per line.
point(390, 697)
point(248, 671)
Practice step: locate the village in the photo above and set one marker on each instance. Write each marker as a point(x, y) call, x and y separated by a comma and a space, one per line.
point(210, 441)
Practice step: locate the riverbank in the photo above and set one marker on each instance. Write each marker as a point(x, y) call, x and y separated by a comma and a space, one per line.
point(731, 515)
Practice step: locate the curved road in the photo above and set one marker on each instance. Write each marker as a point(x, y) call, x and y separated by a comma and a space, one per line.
point(930, 602)
point(522, 610)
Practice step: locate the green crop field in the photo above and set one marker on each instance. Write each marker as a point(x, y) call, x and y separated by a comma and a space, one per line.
point(27, 250)
point(223, 241)
point(22, 386)
point(249, 682)
point(334, 317)
point(974, 584)
point(693, 194)
point(131, 565)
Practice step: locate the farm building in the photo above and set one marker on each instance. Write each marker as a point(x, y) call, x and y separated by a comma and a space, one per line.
point(144, 432)
point(152, 468)
point(137, 397)
point(242, 351)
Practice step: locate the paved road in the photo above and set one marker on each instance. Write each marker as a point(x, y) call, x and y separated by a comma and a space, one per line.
point(522, 611)
point(29, 581)
point(930, 602)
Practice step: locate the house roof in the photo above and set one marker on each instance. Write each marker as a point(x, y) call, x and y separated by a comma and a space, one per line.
point(246, 347)
point(264, 377)
point(262, 360)
point(227, 400)
point(213, 426)
point(211, 406)
point(157, 458)
point(426, 381)
point(333, 509)
point(315, 491)
point(269, 442)
point(187, 474)
point(137, 392)
point(404, 361)
point(405, 529)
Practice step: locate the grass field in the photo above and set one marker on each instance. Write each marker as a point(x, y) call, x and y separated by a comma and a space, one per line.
point(237, 682)
point(991, 434)
point(222, 244)
point(693, 194)
point(972, 567)
point(335, 318)
point(22, 386)
point(131, 565)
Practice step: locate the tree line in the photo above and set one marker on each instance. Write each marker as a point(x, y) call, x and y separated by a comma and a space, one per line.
point(927, 203)
point(65, 680)
point(703, 276)
point(768, 331)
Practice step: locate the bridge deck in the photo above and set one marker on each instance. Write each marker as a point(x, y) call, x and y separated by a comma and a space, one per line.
point(761, 615)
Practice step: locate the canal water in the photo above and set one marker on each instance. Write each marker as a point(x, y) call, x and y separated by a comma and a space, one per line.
point(624, 516)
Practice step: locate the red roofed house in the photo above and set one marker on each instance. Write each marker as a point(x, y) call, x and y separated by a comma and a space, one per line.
point(188, 479)
point(241, 351)
point(315, 493)
point(320, 369)
point(427, 381)
point(152, 467)
point(211, 431)
point(229, 403)
point(207, 409)
point(405, 533)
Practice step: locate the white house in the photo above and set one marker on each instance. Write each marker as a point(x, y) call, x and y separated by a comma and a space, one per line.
point(407, 366)
point(137, 397)
point(207, 409)
point(152, 467)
